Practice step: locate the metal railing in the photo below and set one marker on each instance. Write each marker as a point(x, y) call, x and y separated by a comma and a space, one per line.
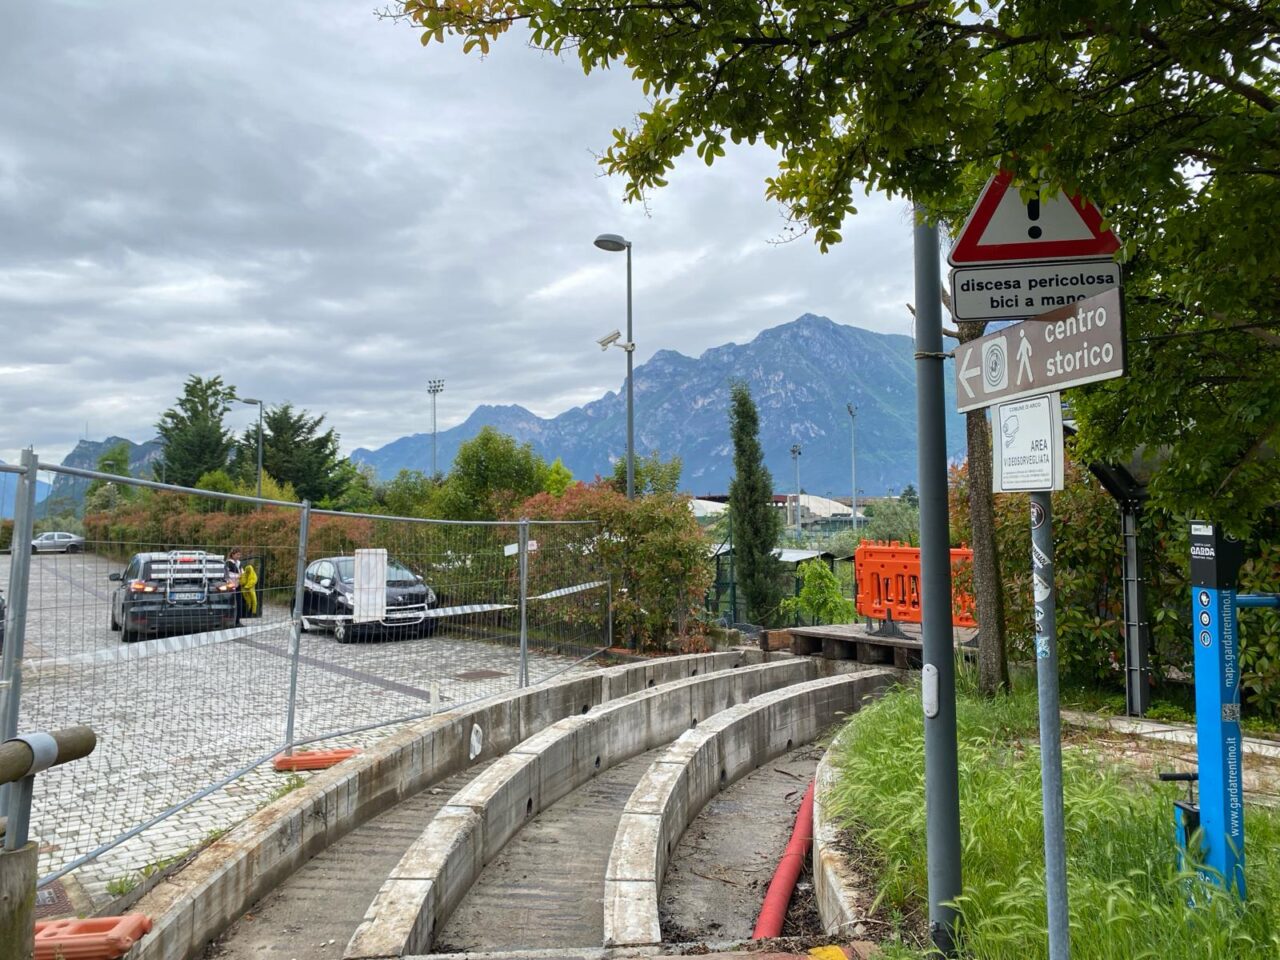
point(194, 693)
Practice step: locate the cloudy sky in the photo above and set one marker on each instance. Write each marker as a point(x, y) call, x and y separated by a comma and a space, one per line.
point(301, 198)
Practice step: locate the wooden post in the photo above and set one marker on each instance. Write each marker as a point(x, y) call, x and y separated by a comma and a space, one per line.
point(18, 903)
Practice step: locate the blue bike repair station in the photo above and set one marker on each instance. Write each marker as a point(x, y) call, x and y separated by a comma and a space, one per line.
point(1215, 568)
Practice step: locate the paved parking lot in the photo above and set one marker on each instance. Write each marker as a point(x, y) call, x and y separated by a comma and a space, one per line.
point(174, 716)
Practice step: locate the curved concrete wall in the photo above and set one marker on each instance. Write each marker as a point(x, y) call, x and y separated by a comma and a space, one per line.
point(441, 865)
point(229, 875)
point(697, 766)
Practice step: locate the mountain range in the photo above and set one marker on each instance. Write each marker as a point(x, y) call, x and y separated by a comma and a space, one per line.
point(67, 493)
point(9, 493)
point(801, 375)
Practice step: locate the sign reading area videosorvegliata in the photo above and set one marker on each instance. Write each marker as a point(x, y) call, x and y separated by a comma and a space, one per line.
point(1014, 291)
point(1027, 444)
point(1067, 347)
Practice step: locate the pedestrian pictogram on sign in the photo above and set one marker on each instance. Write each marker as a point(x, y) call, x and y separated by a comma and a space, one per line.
point(1004, 228)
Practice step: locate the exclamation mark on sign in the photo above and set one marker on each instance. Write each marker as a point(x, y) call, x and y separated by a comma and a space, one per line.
point(1033, 214)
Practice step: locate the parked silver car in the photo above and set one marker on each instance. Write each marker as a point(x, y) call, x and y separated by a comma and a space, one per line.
point(57, 542)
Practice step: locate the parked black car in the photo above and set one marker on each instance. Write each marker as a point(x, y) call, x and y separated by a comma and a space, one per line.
point(328, 601)
point(182, 591)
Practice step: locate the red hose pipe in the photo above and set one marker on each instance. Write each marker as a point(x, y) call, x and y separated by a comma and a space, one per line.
point(774, 911)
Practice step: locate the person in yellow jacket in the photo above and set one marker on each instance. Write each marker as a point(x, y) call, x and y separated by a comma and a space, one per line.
point(248, 595)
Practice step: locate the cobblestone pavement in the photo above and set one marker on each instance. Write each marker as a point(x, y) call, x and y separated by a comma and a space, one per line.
point(174, 716)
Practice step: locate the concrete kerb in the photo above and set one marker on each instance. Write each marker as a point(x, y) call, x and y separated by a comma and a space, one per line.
point(697, 766)
point(228, 876)
point(452, 850)
point(834, 885)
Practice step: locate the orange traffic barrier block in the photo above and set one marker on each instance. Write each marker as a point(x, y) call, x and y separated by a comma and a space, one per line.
point(99, 938)
point(313, 759)
point(889, 583)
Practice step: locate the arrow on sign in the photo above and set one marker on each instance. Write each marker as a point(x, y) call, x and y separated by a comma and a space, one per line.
point(967, 373)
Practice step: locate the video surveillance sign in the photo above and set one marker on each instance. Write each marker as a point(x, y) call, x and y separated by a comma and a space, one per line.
point(1028, 445)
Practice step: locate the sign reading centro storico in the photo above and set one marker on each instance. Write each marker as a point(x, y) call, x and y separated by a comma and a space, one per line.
point(1073, 345)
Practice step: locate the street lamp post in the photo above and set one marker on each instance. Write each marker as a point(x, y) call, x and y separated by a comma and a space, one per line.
point(434, 387)
point(795, 458)
point(616, 244)
point(853, 464)
point(259, 404)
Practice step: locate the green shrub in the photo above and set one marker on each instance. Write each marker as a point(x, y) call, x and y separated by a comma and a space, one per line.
point(820, 599)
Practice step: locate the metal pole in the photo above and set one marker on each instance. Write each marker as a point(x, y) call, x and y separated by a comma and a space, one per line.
point(1055, 857)
point(259, 451)
point(610, 634)
point(631, 418)
point(524, 602)
point(795, 461)
point(1137, 633)
point(295, 640)
point(853, 466)
point(19, 584)
point(941, 790)
point(434, 387)
point(733, 578)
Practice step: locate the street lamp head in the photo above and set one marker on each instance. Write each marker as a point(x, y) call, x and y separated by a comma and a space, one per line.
point(853, 411)
point(247, 400)
point(435, 386)
point(795, 449)
point(612, 242)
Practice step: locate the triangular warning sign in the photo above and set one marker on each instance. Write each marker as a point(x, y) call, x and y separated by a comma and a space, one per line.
point(1003, 228)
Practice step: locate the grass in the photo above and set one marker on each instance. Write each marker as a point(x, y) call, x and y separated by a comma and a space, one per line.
point(292, 782)
point(1127, 900)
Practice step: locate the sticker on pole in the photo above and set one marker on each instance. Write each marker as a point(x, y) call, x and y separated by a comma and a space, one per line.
point(1028, 445)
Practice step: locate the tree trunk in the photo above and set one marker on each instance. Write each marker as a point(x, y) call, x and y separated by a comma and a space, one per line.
point(993, 664)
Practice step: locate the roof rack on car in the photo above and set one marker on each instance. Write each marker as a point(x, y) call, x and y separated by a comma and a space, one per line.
point(188, 565)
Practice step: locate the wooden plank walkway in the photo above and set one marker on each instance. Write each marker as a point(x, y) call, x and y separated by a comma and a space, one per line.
point(854, 641)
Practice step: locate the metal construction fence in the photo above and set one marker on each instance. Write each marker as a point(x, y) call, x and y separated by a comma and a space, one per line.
point(334, 627)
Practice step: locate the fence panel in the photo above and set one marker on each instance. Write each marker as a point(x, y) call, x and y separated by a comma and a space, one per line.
point(137, 632)
point(450, 629)
point(192, 685)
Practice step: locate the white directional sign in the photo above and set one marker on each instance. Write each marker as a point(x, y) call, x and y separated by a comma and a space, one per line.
point(1028, 445)
point(1066, 347)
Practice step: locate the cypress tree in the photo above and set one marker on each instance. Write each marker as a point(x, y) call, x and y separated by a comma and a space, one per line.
point(756, 522)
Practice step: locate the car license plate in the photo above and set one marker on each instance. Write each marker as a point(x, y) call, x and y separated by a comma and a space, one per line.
point(186, 596)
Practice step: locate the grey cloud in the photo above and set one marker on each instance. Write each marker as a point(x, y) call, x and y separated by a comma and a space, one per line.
point(302, 199)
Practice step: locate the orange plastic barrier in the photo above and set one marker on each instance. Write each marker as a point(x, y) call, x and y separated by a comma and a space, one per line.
point(100, 938)
point(313, 759)
point(889, 583)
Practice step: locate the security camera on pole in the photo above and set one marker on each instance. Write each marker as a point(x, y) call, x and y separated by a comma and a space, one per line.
point(1051, 260)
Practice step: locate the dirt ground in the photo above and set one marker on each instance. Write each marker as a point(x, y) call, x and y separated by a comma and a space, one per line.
point(1145, 758)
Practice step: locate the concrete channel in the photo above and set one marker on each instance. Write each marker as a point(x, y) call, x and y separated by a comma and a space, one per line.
point(498, 840)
